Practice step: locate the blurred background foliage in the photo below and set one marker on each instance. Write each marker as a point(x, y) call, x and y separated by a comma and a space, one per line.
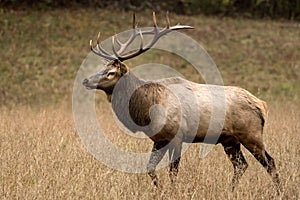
point(288, 9)
point(44, 42)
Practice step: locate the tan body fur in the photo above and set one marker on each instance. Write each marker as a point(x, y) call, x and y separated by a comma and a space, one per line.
point(169, 119)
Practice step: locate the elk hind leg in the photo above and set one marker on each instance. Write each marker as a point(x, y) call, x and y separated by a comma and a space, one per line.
point(256, 147)
point(238, 161)
point(271, 169)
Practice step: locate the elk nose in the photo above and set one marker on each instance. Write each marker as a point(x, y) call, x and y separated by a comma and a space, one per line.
point(85, 81)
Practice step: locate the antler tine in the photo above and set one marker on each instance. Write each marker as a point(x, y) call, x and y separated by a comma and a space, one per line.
point(91, 45)
point(98, 38)
point(118, 41)
point(154, 20)
point(156, 32)
point(123, 46)
point(168, 20)
point(142, 40)
point(100, 53)
point(113, 46)
point(134, 25)
point(100, 48)
point(133, 54)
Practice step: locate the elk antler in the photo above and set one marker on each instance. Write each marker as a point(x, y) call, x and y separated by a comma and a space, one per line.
point(117, 54)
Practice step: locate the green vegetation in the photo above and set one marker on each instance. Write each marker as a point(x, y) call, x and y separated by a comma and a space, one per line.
point(42, 51)
point(288, 9)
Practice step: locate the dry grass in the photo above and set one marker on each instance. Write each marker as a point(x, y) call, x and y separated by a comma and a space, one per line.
point(42, 157)
point(41, 154)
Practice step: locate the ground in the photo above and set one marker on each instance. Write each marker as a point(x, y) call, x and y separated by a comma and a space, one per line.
point(41, 153)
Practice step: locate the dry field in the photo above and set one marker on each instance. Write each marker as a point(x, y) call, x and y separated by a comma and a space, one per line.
point(42, 157)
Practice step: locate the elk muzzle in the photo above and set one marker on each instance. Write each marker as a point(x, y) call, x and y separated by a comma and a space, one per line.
point(92, 82)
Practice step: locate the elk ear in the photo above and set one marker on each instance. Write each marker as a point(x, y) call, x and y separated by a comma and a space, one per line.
point(123, 68)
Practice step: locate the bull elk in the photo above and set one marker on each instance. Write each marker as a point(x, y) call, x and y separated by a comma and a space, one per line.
point(244, 120)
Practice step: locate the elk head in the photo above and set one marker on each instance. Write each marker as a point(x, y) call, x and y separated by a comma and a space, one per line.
point(114, 69)
point(107, 78)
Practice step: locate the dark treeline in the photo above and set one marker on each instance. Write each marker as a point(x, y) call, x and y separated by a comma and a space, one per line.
point(274, 9)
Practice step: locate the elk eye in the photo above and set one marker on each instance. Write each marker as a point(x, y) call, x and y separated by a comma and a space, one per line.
point(111, 74)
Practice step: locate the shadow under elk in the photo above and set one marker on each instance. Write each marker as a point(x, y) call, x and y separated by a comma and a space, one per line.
point(244, 121)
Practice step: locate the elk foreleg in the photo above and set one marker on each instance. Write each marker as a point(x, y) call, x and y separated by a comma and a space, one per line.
point(174, 155)
point(158, 152)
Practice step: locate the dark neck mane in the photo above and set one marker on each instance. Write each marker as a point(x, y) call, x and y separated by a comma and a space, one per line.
point(132, 100)
point(122, 96)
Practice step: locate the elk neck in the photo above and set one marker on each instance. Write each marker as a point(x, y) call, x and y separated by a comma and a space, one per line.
point(132, 99)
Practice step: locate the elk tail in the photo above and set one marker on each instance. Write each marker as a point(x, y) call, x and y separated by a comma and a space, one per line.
point(263, 111)
point(260, 108)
